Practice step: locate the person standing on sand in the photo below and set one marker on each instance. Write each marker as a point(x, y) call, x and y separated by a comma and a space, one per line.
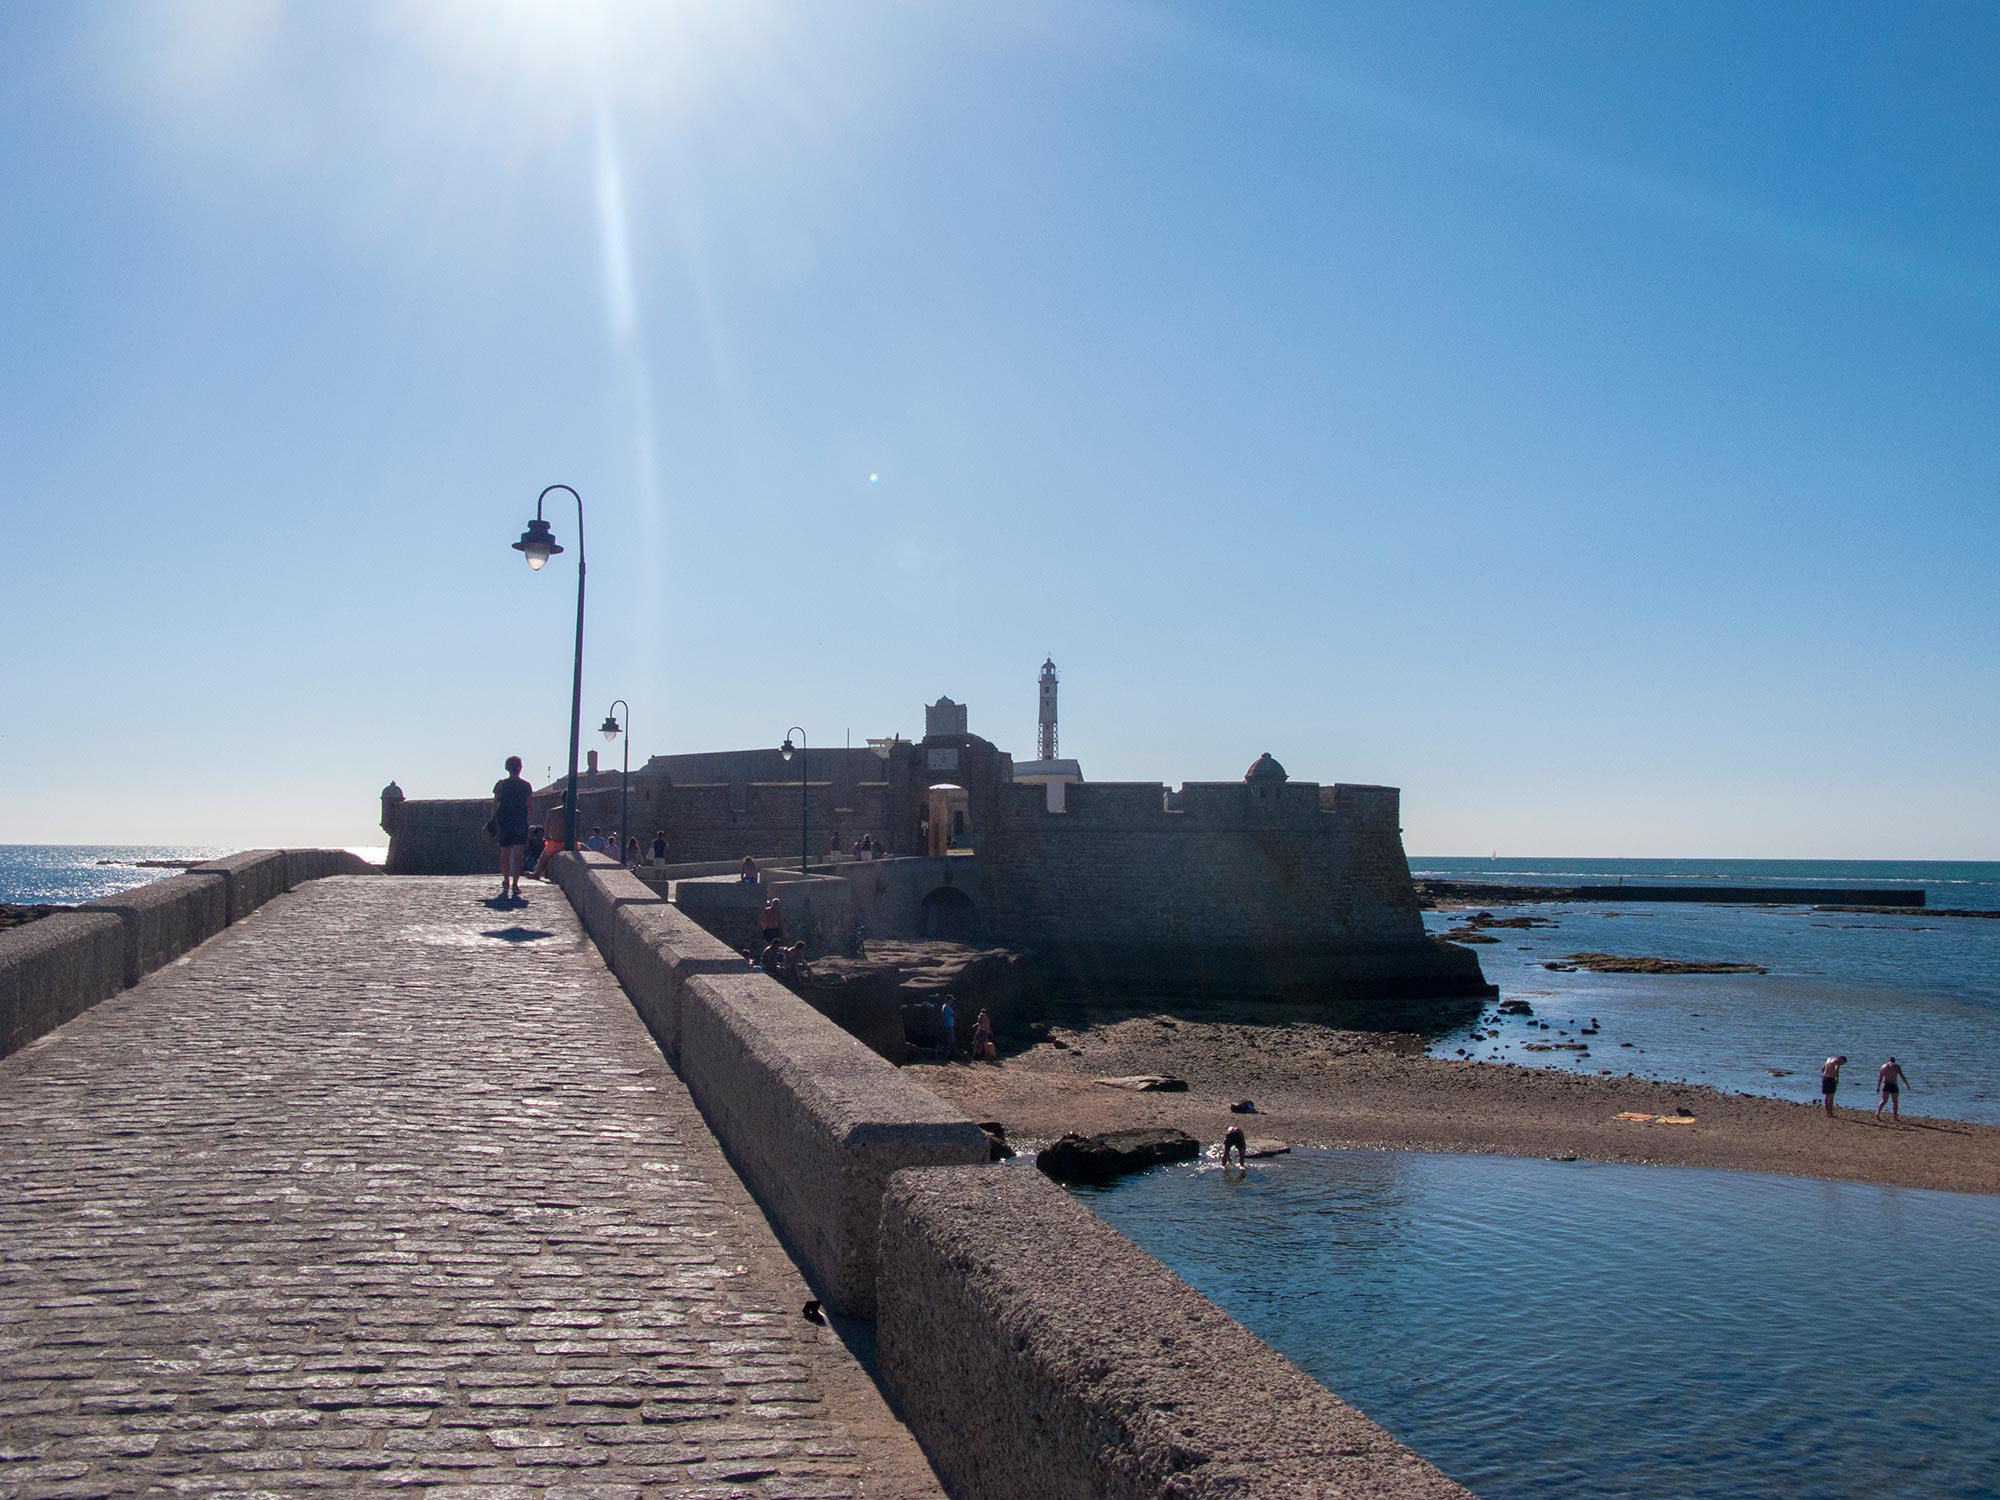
point(1888, 1080)
point(950, 1019)
point(512, 799)
point(1829, 1080)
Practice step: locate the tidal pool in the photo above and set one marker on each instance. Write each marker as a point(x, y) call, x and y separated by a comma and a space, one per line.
point(1539, 1328)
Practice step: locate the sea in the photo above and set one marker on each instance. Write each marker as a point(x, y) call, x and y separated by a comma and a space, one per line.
point(70, 874)
point(1544, 1328)
point(1913, 985)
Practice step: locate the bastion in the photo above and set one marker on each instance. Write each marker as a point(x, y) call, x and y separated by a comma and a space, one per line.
point(1265, 886)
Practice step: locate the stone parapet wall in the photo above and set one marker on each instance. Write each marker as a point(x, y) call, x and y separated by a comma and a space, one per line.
point(1038, 1354)
point(165, 919)
point(249, 879)
point(814, 1121)
point(53, 970)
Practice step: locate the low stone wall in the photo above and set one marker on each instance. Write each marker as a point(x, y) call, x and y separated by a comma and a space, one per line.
point(165, 919)
point(1038, 1354)
point(249, 879)
point(813, 1121)
point(55, 969)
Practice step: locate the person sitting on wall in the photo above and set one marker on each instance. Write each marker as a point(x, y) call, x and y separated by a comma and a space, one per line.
point(773, 922)
point(749, 871)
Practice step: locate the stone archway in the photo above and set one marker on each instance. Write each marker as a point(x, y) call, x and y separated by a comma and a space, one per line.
point(947, 818)
point(947, 915)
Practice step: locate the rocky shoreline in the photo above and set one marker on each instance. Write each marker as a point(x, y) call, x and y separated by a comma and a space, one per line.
point(1316, 1084)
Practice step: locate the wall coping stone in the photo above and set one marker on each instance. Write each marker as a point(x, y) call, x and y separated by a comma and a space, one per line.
point(1038, 1354)
point(250, 879)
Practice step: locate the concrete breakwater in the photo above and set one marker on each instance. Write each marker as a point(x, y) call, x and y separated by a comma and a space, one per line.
point(1430, 892)
point(1034, 1352)
point(59, 966)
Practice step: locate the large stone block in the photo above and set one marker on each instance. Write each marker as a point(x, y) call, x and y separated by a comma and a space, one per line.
point(654, 950)
point(1038, 1354)
point(54, 969)
point(605, 893)
point(250, 879)
point(167, 918)
point(813, 1120)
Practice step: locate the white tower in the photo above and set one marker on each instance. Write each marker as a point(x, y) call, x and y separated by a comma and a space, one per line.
point(1045, 736)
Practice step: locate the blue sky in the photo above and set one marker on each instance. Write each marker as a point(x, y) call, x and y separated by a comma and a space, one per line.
point(1580, 416)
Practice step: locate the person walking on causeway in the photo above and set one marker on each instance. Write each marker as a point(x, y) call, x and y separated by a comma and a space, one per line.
point(512, 799)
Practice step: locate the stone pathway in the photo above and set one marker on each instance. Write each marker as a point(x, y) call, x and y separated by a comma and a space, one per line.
point(385, 1190)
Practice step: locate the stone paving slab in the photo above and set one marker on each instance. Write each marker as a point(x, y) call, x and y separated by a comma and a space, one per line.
point(386, 1190)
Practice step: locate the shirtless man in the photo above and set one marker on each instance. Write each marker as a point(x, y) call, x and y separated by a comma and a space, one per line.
point(1829, 1080)
point(1888, 1081)
point(1233, 1139)
point(773, 922)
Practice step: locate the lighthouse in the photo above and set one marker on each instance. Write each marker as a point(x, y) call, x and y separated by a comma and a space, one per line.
point(1045, 734)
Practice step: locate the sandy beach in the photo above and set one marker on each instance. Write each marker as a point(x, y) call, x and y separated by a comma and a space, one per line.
point(1318, 1085)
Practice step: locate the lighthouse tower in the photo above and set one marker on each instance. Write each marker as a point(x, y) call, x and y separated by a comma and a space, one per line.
point(1045, 735)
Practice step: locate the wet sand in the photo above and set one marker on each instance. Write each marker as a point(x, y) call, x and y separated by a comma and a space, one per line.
point(1317, 1085)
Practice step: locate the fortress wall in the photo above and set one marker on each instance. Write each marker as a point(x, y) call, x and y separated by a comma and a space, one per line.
point(1038, 1354)
point(54, 969)
point(443, 838)
point(1248, 887)
point(817, 908)
point(812, 1119)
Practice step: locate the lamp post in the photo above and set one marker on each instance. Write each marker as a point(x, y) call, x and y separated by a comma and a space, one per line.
point(786, 751)
point(609, 728)
point(538, 545)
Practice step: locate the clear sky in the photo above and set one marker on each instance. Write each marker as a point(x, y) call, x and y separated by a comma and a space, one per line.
point(1582, 416)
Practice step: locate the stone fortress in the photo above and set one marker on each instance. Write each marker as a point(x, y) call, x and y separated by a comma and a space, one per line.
point(1264, 885)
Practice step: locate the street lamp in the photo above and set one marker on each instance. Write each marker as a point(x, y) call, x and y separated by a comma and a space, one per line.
point(610, 730)
point(538, 545)
point(786, 751)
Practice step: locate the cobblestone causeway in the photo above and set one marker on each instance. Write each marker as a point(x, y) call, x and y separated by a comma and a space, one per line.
point(387, 1190)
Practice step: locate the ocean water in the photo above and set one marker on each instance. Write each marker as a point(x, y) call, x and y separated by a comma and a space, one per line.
point(1540, 1328)
point(1920, 987)
point(67, 874)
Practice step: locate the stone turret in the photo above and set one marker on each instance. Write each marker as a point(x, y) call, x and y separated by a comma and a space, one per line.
point(1266, 771)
